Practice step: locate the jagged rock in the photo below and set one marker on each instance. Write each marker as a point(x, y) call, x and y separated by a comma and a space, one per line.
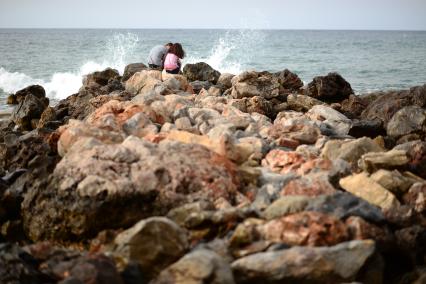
point(393, 181)
point(126, 182)
point(31, 107)
point(288, 80)
point(200, 72)
point(416, 152)
point(383, 160)
point(197, 267)
point(254, 104)
point(309, 185)
point(35, 90)
point(143, 81)
point(99, 78)
point(408, 120)
point(305, 229)
point(47, 116)
point(197, 86)
point(285, 206)
point(153, 244)
point(353, 106)
point(343, 205)
point(329, 88)
point(293, 133)
point(17, 266)
point(330, 119)
point(302, 102)
point(340, 263)
point(388, 103)
point(132, 69)
point(251, 84)
point(225, 80)
point(349, 151)
point(366, 128)
point(365, 187)
point(416, 197)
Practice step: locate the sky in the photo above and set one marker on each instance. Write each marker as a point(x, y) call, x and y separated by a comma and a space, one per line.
point(224, 14)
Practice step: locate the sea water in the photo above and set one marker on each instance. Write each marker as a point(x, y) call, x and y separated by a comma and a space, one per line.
point(58, 59)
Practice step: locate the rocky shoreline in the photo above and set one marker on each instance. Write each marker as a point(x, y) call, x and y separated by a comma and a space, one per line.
point(213, 178)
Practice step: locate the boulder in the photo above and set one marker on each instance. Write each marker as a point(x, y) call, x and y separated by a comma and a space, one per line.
point(393, 181)
point(330, 119)
point(30, 108)
point(329, 88)
point(309, 185)
point(349, 150)
point(286, 205)
point(143, 81)
point(301, 102)
point(251, 84)
point(200, 72)
point(293, 133)
point(127, 182)
point(289, 81)
point(343, 205)
point(335, 264)
point(416, 152)
point(408, 120)
point(254, 104)
point(131, 69)
point(353, 106)
point(305, 229)
point(225, 80)
point(198, 267)
point(388, 103)
point(152, 243)
point(35, 90)
point(365, 187)
point(47, 116)
point(383, 160)
point(99, 78)
point(366, 128)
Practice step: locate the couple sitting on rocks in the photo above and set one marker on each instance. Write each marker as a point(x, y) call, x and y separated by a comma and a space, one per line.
point(166, 57)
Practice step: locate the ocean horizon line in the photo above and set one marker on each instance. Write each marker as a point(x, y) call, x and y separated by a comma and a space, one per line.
point(211, 29)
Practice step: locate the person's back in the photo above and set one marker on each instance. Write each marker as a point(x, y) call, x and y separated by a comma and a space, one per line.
point(157, 55)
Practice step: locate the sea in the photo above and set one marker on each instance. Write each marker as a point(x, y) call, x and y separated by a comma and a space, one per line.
point(58, 59)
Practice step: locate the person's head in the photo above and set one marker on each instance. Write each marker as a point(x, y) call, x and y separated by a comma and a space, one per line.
point(177, 50)
point(168, 45)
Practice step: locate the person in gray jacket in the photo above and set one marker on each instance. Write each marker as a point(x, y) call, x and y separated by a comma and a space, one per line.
point(157, 55)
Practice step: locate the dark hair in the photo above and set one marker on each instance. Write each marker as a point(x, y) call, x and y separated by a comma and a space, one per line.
point(170, 44)
point(177, 50)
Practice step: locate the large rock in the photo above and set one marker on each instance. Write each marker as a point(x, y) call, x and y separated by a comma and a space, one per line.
point(349, 151)
point(126, 182)
point(331, 121)
point(365, 187)
point(225, 80)
point(416, 197)
point(198, 267)
point(336, 264)
point(329, 88)
point(132, 69)
point(35, 90)
point(29, 109)
point(254, 104)
point(302, 102)
point(387, 104)
point(343, 205)
point(416, 152)
point(293, 133)
point(200, 72)
point(143, 81)
point(305, 229)
point(99, 78)
point(153, 244)
point(286, 205)
point(251, 84)
point(408, 120)
point(383, 160)
point(289, 81)
point(309, 185)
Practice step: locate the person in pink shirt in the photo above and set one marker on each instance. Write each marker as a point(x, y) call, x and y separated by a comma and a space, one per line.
point(172, 63)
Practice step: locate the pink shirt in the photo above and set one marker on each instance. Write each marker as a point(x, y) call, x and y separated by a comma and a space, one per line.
point(171, 61)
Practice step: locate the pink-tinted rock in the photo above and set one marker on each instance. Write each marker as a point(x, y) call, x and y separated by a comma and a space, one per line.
point(283, 161)
point(294, 134)
point(309, 185)
point(306, 229)
point(359, 229)
point(416, 197)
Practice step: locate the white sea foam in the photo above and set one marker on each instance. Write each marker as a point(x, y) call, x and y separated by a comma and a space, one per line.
point(64, 84)
point(233, 52)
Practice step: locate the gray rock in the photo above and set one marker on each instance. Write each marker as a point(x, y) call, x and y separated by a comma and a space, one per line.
point(153, 243)
point(344, 205)
point(408, 120)
point(198, 267)
point(333, 264)
point(30, 108)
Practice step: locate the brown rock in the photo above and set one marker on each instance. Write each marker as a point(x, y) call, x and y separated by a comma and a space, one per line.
point(309, 185)
point(416, 197)
point(329, 88)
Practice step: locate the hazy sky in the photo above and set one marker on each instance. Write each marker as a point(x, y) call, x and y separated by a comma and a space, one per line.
point(263, 14)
